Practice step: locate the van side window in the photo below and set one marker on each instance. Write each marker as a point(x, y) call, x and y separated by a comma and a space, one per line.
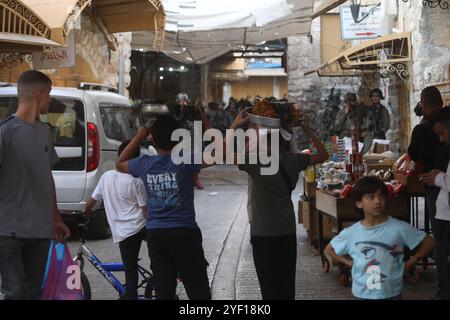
point(118, 122)
point(66, 117)
point(8, 106)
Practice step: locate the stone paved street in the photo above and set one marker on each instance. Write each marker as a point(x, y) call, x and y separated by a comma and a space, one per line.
point(222, 216)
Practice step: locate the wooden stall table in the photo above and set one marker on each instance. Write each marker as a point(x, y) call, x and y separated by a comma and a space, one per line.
point(343, 211)
point(308, 216)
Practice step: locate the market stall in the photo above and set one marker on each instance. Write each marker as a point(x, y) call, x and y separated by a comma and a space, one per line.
point(327, 192)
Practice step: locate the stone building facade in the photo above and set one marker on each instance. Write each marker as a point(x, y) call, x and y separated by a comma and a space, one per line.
point(430, 28)
point(95, 62)
point(430, 39)
point(92, 47)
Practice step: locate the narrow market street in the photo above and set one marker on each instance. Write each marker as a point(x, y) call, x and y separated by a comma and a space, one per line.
point(108, 108)
point(222, 217)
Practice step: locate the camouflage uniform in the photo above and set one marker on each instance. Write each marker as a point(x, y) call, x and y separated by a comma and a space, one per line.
point(343, 125)
point(378, 120)
point(376, 124)
point(325, 122)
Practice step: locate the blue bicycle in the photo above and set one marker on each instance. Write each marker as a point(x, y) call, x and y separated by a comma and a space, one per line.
point(106, 269)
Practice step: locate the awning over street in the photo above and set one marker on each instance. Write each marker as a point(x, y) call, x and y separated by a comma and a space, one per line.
point(23, 43)
point(205, 45)
point(388, 53)
point(201, 15)
point(54, 19)
point(326, 6)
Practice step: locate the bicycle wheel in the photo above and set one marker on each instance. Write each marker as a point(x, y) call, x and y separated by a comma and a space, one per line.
point(86, 287)
point(148, 292)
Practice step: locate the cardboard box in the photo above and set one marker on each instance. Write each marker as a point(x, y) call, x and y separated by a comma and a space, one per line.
point(380, 148)
point(310, 189)
point(304, 209)
point(412, 183)
point(329, 227)
point(309, 217)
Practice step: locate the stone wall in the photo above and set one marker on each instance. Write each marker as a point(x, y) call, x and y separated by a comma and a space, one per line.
point(92, 47)
point(430, 48)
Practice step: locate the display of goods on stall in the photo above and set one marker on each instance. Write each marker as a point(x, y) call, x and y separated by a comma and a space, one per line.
point(394, 189)
point(332, 175)
point(341, 150)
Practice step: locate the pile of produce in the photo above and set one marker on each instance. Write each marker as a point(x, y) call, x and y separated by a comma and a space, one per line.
point(278, 109)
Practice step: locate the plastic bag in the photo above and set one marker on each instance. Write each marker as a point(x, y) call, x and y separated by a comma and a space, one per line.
point(62, 279)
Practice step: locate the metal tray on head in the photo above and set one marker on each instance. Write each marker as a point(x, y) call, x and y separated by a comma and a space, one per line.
point(154, 110)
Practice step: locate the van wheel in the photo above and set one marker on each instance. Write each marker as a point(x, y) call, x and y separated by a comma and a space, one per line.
point(98, 226)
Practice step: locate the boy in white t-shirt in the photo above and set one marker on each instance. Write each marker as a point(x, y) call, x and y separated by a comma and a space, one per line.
point(125, 201)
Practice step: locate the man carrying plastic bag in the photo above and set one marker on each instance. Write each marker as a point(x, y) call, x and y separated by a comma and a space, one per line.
point(62, 280)
point(28, 213)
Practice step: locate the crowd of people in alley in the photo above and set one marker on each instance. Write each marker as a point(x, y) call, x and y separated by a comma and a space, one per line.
point(336, 119)
point(150, 197)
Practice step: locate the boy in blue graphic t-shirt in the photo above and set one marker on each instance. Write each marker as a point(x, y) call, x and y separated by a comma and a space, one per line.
point(173, 237)
point(376, 245)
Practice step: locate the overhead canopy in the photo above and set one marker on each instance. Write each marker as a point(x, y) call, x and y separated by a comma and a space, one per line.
point(326, 6)
point(203, 46)
point(23, 43)
point(201, 15)
point(371, 55)
point(21, 29)
point(54, 19)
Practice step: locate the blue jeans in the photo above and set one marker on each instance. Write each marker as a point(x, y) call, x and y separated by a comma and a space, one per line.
point(22, 267)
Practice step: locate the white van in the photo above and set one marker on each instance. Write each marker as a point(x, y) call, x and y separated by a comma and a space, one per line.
point(88, 127)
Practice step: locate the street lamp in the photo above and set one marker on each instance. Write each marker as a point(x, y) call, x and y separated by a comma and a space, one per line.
point(354, 7)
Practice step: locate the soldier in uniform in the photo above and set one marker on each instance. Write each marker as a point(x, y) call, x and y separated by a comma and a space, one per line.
point(377, 121)
point(326, 117)
point(351, 114)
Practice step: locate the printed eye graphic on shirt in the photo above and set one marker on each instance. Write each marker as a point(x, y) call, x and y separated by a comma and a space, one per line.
point(164, 191)
point(377, 253)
